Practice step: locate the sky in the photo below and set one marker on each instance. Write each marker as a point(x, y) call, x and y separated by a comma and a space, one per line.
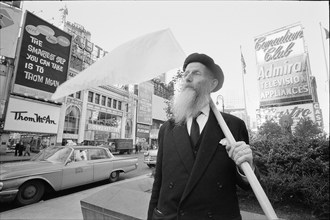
point(216, 28)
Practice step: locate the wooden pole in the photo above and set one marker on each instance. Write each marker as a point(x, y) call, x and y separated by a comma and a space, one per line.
point(254, 183)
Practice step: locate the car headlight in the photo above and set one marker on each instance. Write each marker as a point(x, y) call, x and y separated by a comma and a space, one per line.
point(1, 185)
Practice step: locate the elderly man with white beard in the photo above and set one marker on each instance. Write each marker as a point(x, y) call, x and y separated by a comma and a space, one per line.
point(196, 172)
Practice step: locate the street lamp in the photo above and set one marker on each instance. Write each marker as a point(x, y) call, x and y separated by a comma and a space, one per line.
point(223, 102)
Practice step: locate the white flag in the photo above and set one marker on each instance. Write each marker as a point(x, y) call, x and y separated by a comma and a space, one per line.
point(133, 62)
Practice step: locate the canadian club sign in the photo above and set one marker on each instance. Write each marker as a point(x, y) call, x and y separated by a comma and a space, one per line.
point(30, 116)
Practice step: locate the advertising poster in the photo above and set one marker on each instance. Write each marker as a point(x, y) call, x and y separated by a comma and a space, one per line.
point(283, 67)
point(43, 58)
point(10, 19)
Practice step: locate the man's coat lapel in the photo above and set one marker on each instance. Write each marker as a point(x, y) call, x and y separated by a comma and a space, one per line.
point(183, 147)
point(209, 143)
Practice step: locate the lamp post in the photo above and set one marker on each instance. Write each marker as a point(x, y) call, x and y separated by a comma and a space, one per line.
point(223, 102)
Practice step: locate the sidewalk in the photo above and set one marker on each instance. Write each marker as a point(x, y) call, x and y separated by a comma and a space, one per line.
point(10, 157)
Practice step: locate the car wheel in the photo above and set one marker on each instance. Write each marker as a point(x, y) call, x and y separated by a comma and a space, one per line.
point(114, 176)
point(30, 192)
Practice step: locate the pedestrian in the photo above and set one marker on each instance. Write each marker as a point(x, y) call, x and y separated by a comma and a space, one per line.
point(136, 148)
point(27, 149)
point(21, 148)
point(16, 148)
point(195, 178)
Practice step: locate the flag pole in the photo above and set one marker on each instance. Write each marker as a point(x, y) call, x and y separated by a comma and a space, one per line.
point(254, 183)
point(243, 72)
point(325, 58)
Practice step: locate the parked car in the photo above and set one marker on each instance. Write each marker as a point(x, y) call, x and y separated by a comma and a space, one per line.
point(150, 158)
point(57, 168)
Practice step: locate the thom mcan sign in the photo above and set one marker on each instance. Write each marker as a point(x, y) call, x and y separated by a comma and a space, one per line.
point(28, 116)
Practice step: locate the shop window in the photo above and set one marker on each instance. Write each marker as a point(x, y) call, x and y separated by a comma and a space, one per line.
point(103, 100)
point(90, 96)
point(119, 105)
point(97, 98)
point(71, 123)
point(114, 103)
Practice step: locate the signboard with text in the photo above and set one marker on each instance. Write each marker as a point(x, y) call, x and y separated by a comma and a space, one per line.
point(283, 67)
point(283, 43)
point(144, 110)
point(26, 116)
point(43, 58)
point(296, 112)
point(284, 81)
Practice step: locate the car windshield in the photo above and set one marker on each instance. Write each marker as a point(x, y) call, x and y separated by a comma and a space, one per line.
point(53, 154)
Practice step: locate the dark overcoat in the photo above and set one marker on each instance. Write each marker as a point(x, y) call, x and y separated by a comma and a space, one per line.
point(198, 188)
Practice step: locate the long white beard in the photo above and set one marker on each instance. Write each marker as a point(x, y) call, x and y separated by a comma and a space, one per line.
point(189, 102)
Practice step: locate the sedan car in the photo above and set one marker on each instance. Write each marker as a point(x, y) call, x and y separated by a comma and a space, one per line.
point(150, 158)
point(57, 168)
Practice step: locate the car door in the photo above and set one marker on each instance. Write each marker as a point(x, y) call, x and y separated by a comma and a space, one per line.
point(102, 162)
point(77, 171)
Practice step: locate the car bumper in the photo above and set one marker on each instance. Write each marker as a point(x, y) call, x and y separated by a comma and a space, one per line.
point(8, 195)
point(152, 162)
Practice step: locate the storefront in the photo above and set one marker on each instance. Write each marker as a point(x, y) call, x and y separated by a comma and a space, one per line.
point(102, 126)
point(143, 136)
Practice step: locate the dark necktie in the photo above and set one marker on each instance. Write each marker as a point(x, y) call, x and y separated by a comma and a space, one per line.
point(194, 131)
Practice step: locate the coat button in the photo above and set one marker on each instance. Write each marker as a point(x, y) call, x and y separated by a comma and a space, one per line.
point(219, 185)
point(182, 213)
point(210, 214)
point(171, 185)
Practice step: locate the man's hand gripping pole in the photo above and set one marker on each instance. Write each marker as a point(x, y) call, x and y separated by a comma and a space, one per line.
point(245, 166)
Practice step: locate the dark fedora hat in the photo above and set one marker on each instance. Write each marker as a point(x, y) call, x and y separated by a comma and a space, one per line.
point(209, 63)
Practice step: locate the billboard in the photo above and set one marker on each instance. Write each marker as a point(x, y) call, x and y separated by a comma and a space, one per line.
point(284, 81)
point(296, 112)
point(28, 116)
point(144, 110)
point(283, 67)
point(43, 58)
point(10, 19)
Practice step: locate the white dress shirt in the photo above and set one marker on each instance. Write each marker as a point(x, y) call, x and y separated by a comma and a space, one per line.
point(201, 119)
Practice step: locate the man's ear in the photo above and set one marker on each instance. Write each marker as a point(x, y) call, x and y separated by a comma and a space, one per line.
point(214, 84)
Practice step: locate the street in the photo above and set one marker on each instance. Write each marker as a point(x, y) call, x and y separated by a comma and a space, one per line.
point(141, 170)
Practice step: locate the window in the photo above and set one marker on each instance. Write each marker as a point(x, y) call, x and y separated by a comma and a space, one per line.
point(97, 154)
point(119, 105)
point(71, 121)
point(90, 96)
point(114, 103)
point(103, 100)
point(97, 98)
point(78, 95)
point(71, 95)
point(109, 102)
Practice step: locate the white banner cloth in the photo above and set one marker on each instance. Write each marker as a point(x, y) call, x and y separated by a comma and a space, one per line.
point(133, 62)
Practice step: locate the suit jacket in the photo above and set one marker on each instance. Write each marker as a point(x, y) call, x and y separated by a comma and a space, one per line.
point(200, 188)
